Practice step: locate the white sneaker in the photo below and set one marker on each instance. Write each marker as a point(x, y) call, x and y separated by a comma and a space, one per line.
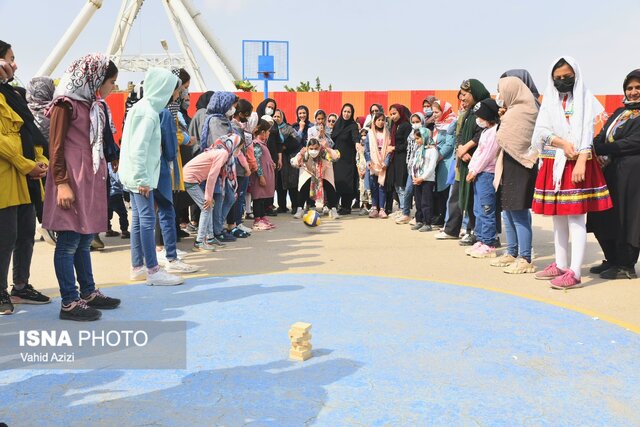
point(162, 278)
point(298, 213)
point(181, 254)
point(325, 210)
point(177, 266)
point(138, 273)
point(245, 228)
point(161, 256)
point(333, 213)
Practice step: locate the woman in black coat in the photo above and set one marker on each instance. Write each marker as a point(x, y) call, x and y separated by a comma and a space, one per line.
point(345, 136)
point(400, 130)
point(618, 149)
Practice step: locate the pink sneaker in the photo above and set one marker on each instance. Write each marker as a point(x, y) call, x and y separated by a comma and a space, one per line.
point(483, 251)
point(551, 272)
point(258, 225)
point(373, 213)
point(382, 214)
point(566, 281)
point(269, 223)
point(475, 246)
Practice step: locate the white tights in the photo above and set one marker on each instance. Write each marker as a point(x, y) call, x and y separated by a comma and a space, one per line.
point(563, 227)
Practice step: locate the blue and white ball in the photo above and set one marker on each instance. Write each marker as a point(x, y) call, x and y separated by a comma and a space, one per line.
point(311, 218)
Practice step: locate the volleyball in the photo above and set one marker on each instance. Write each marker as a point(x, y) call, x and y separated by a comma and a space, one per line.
point(311, 218)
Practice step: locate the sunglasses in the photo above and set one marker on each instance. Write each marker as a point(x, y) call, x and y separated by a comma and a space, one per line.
point(466, 85)
point(331, 121)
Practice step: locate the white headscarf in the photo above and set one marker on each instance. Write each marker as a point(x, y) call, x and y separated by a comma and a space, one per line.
point(551, 118)
point(80, 82)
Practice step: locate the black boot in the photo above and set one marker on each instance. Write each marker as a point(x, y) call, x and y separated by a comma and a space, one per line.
point(616, 272)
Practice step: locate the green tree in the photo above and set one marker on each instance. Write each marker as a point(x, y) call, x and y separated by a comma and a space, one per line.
point(306, 87)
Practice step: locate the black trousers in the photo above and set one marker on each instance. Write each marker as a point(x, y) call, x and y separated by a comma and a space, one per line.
point(260, 207)
point(345, 200)
point(282, 194)
point(116, 204)
point(440, 204)
point(17, 231)
point(329, 192)
point(619, 253)
point(423, 194)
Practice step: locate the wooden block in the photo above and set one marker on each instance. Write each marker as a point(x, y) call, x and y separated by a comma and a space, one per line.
point(301, 326)
point(299, 355)
point(298, 337)
point(301, 347)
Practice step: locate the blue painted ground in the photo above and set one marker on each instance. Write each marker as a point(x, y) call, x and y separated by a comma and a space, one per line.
point(386, 352)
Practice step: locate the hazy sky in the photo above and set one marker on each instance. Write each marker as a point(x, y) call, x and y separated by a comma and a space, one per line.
point(365, 45)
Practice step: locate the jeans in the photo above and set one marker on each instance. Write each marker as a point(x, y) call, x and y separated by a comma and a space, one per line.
point(143, 223)
point(400, 191)
point(167, 220)
point(222, 206)
point(238, 210)
point(205, 223)
point(73, 250)
point(17, 228)
point(484, 207)
point(408, 195)
point(378, 195)
point(517, 226)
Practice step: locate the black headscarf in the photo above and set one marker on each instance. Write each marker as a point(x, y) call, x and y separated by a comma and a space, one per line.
point(343, 125)
point(635, 74)
point(260, 110)
point(526, 79)
point(204, 99)
point(307, 123)
point(30, 135)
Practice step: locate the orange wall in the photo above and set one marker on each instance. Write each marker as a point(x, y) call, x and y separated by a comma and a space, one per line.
point(331, 102)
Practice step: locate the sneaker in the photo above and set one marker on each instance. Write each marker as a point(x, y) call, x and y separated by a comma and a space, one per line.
point(333, 213)
point(161, 256)
point(268, 223)
point(162, 278)
point(484, 251)
point(283, 209)
point(28, 295)
point(444, 236)
point(177, 266)
point(99, 300)
point(182, 234)
point(260, 225)
point(413, 221)
point(373, 213)
point(79, 311)
point(567, 280)
point(138, 273)
point(520, 266)
point(192, 229)
point(298, 214)
point(468, 240)
point(51, 237)
point(6, 307)
point(475, 246)
point(96, 243)
point(245, 228)
point(236, 232)
point(504, 260)
point(551, 272)
point(111, 233)
point(226, 237)
point(325, 210)
point(417, 226)
point(425, 228)
point(404, 219)
point(382, 214)
point(203, 247)
point(125, 235)
point(214, 242)
point(604, 266)
point(616, 272)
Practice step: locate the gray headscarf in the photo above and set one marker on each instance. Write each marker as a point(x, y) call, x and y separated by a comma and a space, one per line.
point(39, 95)
point(526, 79)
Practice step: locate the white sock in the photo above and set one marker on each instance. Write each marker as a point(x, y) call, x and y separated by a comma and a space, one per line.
point(578, 231)
point(561, 240)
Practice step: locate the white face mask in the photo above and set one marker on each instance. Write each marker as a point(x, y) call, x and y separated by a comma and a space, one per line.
point(415, 125)
point(482, 123)
point(230, 112)
point(314, 153)
point(268, 111)
point(500, 103)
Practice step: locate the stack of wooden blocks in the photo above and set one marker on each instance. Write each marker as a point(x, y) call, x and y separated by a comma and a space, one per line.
point(300, 334)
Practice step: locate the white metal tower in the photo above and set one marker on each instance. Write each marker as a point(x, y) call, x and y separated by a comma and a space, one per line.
point(185, 21)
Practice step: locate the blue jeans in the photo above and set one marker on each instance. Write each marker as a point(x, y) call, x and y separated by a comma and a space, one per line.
point(221, 208)
point(73, 250)
point(484, 208)
point(378, 196)
point(243, 183)
point(205, 223)
point(400, 191)
point(167, 219)
point(143, 224)
point(517, 227)
point(408, 195)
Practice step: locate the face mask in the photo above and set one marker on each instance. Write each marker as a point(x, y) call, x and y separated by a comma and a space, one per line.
point(565, 85)
point(482, 123)
point(269, 111)
point(230, 112)
point(428, 112)
point(415, 125)
point(314, 153)
point(500, 103)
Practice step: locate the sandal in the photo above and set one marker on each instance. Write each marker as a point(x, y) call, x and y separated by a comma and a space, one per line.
point(239, 233)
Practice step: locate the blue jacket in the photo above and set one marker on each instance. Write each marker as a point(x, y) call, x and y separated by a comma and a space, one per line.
point(168, 159)
point(446, 143)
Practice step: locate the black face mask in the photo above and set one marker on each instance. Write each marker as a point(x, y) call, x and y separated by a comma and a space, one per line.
point(565, 85)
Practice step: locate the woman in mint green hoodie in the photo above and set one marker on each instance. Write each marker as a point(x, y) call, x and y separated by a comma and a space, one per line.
point(140, 170)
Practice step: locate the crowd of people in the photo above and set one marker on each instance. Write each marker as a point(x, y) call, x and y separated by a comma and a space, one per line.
point(463, 174)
